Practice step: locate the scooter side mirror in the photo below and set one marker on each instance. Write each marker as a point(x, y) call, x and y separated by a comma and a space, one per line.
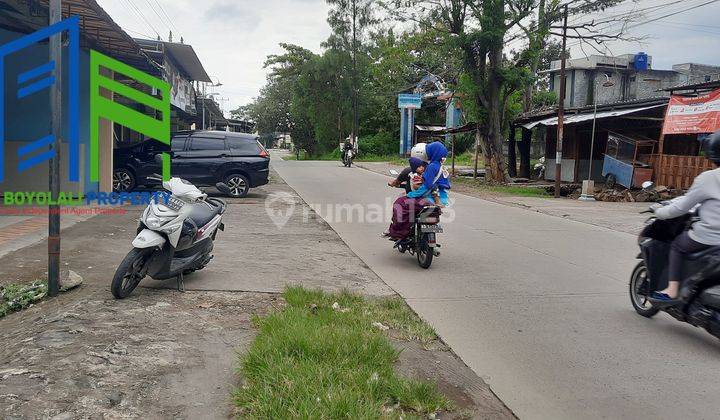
point(223, 188)
point(393, 172)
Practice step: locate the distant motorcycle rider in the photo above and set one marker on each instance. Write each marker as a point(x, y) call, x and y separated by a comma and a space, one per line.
point(704, 234)
point(346, 147)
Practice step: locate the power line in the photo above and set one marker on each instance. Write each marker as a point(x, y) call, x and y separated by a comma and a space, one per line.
point(674, 13)
point(139, 33)
point(686, 24)
point(653, 19)
point(684, 27)
point(138, 13)
point(615, 22)
point(167, 17)
point(160, 19)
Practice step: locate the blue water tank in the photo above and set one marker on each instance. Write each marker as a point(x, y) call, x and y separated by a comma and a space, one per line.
point(641, 61)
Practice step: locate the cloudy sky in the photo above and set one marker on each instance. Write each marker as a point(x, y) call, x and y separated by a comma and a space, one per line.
point(233, 37)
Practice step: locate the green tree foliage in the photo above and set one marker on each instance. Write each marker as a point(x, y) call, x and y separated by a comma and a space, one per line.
point(365, 63)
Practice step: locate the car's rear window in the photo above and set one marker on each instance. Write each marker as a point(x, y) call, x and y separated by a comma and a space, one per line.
point(244, 145)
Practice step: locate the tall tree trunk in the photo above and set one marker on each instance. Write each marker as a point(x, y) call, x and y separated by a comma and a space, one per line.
point(494, 15)
point(524, 146)
point(496, 171)
point(538, 39)
point(512, 159)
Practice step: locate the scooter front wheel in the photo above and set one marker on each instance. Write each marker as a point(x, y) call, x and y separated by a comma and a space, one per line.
point(129, 272)
point(639, 291)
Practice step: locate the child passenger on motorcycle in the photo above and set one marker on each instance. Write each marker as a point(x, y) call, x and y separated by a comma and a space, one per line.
point(436, 180)
point(411, 177)
point(704, 234)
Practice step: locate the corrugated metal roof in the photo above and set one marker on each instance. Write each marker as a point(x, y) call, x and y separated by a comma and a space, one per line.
point(577, 118)
point(695, 86)
point(97, 28)
point(546, 112)
point(185, 57)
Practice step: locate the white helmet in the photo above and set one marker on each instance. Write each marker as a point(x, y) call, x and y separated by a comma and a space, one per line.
point(418, 151)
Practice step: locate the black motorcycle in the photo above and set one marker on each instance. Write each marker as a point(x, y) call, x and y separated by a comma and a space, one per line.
point(700, 291)
point(348, 157)
point(422, 240)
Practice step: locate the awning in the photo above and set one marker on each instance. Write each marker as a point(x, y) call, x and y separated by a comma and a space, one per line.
point(189, 62)
point(430, 128)
point(577, 118)
point(440, 130)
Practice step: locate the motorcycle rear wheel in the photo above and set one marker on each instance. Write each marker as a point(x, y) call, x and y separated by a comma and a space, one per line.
point(424, 252)
point(129, 272)
point(639, 301)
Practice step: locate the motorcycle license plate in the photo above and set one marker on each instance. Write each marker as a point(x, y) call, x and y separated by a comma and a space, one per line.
point(431, 229)
point(175, 204)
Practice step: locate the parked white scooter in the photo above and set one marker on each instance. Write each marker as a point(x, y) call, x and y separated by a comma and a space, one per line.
point(174, 237)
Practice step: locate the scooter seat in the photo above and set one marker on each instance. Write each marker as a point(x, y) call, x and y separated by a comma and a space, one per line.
point(711, 297)
point(203, 213)
point(703, 253)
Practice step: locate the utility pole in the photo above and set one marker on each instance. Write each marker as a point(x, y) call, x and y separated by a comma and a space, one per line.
point(55, 12)
point(561, 108)
point(203, 104)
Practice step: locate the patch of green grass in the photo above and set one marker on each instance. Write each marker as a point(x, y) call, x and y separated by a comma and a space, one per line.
point(512, 190)
point(464, 159)
point(311, 360)
point(14, 297)
point(378, 158)
point(404, 323)
point(467, 159)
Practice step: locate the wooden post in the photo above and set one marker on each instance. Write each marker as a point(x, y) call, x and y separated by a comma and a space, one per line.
point(452, 145)
point(477, 151)
point(659, 169)
point(55, 16)
point(561, 108)
point(512, 156)
point(576, 176)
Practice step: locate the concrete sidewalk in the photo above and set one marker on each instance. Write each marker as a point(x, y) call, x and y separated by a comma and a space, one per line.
point(20, 231)
point(621, 217)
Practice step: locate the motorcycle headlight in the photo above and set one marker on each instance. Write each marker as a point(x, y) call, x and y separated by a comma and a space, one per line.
point(154, 222)
point(170, 230)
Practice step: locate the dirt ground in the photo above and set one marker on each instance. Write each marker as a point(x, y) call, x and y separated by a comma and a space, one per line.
point(166, 354)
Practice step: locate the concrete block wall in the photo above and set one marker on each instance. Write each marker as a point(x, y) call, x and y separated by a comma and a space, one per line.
point(646, 84)
point(697, 73)
point(615, 93)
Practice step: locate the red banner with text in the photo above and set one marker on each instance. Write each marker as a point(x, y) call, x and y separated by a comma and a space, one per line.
point(687, 115)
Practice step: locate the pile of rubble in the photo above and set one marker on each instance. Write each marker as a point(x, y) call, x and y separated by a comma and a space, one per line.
point(630, 196)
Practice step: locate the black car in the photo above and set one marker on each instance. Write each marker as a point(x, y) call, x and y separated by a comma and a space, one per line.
point(201, 157)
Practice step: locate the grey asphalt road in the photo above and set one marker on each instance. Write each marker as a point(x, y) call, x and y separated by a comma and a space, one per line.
point(537, 305)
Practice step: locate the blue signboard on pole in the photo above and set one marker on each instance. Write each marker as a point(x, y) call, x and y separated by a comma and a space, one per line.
point(410, 101)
